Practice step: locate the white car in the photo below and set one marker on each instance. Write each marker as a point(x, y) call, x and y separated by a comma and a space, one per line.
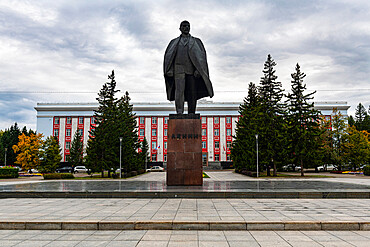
point(326, 167)
point(155, 169)
point(80, 169)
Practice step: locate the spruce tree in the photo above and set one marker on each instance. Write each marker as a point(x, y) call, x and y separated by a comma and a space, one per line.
point(75, 157)
point(50, 155)
point(272, 121)
point(360, 117)
point(243, 150)
point(8, 140)
point(303, 120)
point(102, 148)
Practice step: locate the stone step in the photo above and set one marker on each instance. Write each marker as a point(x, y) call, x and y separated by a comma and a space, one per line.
point(185, 225)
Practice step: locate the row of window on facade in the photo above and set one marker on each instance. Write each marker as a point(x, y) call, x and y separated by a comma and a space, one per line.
point(204, 132)
point(216, 120)
point(69, 120)
point(68, 132)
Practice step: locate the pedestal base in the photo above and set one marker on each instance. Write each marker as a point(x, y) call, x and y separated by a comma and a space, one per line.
point(184, 150)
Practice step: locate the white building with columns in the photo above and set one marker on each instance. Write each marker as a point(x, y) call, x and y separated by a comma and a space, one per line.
point(218, 124)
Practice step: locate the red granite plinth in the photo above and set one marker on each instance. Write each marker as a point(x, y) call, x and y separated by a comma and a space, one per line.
point(184, 150)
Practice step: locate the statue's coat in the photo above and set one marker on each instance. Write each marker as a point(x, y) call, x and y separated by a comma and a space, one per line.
point(198, 57)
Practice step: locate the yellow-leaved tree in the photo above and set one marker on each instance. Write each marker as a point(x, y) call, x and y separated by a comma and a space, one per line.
point(28, 149)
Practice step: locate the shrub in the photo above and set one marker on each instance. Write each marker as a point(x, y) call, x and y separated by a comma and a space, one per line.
point(9, 172)
point(58, 176)
point(141, 171)
point(367, 170)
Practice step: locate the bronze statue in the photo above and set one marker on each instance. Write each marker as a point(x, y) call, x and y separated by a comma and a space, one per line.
point(186, 70)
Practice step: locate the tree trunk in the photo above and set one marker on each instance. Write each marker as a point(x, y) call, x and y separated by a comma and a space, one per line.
point(102, 173)
point(302, 174)
point(275, 171)
point(268, 174)
point(109, 173)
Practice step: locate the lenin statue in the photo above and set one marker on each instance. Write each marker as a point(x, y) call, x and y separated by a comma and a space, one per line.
point(186, 70)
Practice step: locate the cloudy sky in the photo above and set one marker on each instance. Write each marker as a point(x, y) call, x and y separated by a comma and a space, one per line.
point(62, 51)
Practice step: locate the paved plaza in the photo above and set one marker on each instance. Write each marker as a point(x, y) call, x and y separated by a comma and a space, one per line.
point(185, 221)
point(183, 238)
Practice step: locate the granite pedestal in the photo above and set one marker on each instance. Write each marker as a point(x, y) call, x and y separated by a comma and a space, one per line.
point(184, 150)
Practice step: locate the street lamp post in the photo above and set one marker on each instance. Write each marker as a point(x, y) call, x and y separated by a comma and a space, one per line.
point(120, 157)
point(257, 152)
point(6, 149)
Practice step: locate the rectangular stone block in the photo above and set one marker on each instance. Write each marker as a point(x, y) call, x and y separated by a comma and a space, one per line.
point(43, 225)
point(80, 226)
point(147, 225)
point(303, 226)
point(193, 226)
point(184, 150)
point(116, 225)
point(342, 226)
point(13, 225)
point(268, 226)
point(365, 226)
point(225, 226)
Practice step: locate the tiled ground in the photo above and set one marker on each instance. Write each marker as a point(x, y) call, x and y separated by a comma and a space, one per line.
point(184, 238)
point(186, 209)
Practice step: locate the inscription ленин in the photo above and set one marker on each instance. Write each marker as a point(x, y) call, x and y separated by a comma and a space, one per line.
point(184, 136)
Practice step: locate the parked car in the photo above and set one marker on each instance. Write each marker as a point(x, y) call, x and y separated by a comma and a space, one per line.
point(291, 168)
point(326, 167)
point(155, 169)
point(65, 169)
point(80, 169)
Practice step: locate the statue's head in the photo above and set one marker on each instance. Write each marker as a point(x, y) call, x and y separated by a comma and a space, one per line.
point(185, 27)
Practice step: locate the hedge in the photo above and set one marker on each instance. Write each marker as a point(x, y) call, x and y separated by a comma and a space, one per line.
point(367, 170)
point(9, 172)
point(58, 176)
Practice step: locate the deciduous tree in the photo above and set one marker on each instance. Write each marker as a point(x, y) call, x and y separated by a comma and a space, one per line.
point(28, 149)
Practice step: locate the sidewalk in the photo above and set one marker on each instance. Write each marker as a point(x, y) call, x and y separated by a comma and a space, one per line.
point(185, 214)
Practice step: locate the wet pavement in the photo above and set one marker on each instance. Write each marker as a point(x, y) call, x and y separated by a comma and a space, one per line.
point(158, 186)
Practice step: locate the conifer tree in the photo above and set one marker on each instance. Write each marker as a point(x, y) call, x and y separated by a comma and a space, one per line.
point(243, 150)
point(50, 155)
point(8, 140)
point(361, 117)
point(75, 157)
point(272, 121)
point(101, 153)
point(303, 121)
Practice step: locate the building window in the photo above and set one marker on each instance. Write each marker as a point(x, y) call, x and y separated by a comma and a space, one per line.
point(166, 120)
point(81, 120)
point(204, 132)
point(165, 157)
point(154, 120)
point(92, 120)
point(165, 132)
point(204, 145)
point(154, 145)
point(68, 132)
point(68, 145)
point(204, 120)
point(154, 157)
point(154, 132)
point(228, 144)
point(56, 132)
point(228, 132)
point(165, 145)
point(217, 157)
point(142, 120)
point(56, 120)
point(204, 158)
point(228, 157)
point(81, 132)
point(217, 120)
point(217, 132)
point(141, 132)
point(69, 120)
point(217, 144)
point(228, 120)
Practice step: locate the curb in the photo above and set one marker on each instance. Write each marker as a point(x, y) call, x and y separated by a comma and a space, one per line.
point(190, 194)
point(186, 225)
